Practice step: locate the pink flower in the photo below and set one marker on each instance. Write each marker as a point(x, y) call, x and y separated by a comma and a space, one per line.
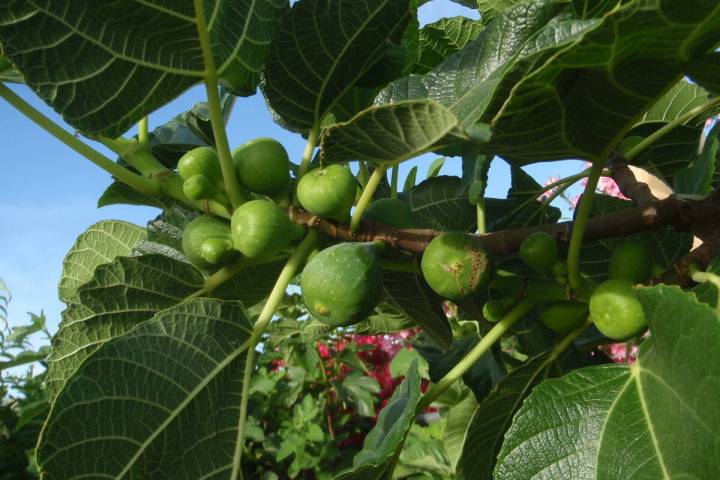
point(608, 186)
point(323, 350)
point(548, 193)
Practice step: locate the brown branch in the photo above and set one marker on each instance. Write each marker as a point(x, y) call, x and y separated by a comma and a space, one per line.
point(682, 214)
point(633, 189)
point(679, 273)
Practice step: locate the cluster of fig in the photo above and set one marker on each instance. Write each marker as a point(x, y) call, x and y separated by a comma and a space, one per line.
point(258, 228)
point(613, 305)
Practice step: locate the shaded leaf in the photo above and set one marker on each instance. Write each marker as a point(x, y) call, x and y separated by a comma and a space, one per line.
point(705, 70)
point(118, 193)
point(490, 420)
point(665, 245)
point(391, 133)
point(121, 294)
point(98, 245)
point(620, 421)
point(696, 179)
point(408, 302)
point(182, 378)
point(578, 104)
point(378, 457)
point(349, 37)
point(441, 39)
point(122, 71)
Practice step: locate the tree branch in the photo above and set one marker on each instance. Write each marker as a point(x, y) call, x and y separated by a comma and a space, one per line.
point(635, 190)
point(682, 214)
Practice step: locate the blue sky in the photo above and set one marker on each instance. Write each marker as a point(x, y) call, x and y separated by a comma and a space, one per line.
point(48, 193)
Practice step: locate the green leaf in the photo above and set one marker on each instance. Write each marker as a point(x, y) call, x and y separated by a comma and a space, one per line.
point(121, 294)
point(103, 75)
point(705, 70)
point(467, 81)
point(391, 133)
point(481, 377)
point(489, 9)
point(362, 391)
point(459, 419)
point(98, 245)
point(709, 292)
point(696, 179)
point(670, 154)
point(378, 457)
point(118, 193)
point(666, 246)
point(8, 73)
point(403, 359)
point(441, 39)
point(434, 168)
point(408, 301)
point(680, 99)
point(653, 419)
point(410, 179)
point(490, 419)
point(174, 415)
point(595, 8)
point(578, 104)
point(348, 36)
point(441, 203)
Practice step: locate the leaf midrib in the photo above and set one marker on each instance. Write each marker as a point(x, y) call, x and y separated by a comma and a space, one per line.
point(177, 410)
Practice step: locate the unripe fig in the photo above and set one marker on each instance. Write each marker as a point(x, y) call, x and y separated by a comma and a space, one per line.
point(261, 228)
point(263, 166)
point(631, 262)
point(539, 251)
point(342, 284)
point(455, 264)
point(392, 212)
point(616, 310)
point(563, 316)
point(198, 187)
point(495, 310)
point(200, 161)
point(328, 192)
point(211, 230)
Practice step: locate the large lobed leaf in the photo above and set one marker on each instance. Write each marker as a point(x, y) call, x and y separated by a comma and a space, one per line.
point(99, 244)
point(581, 102)
point(393, 133)
point(321, 50)
point(382, 445)
point(105, 64)
point(654, 419)
point(466, 82)
point(162, 401)
point(439, 40)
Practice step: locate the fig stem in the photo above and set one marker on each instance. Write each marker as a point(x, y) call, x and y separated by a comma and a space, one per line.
point(149, 186)
point(480, 212)
point(277, 294)
point(366, 197)
point(699, 276)
point(232, 185)
point(394, 181)
point(581, 220)
point(309, 149)
point(474, 355)
point(144, 131)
